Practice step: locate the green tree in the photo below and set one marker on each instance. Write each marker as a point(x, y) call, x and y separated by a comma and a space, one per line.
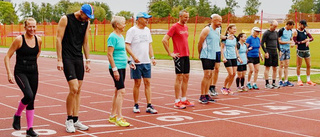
point(204, 8)
point(224, 11)
point(252, 7)
point(303, 6)
point(7, 13)
point(175, 11)
point(188, 3)
point(192, 11)
point(231, 5)
point(35, 11)
point(46, 12)
point(126, 14)
point(160, 9)
point(25, 9)
point(108, 12)
point(216, 10)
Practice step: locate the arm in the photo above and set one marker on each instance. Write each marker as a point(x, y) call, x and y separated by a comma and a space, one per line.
point(222, 50)
point(16, 44)
point(263, 41)
point(86, 49)
point(39, 43)
point(60, 33)
point(237, 53)
point(294, 37)
point(165, 42)
point(152, 55)
point(128, 49)
point(111, 61)
point(204, 33)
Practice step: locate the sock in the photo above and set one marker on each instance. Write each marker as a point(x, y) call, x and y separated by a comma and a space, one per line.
point(21, 107)
point(267, 82)
point(242, 82)
point(112, 116)
point(75, 119)
point(254, 84)
point(149, 105)
point(69, 117)
point(29, 115)
point(237, 81)
point(176, 100)
point(183, 99)
point(285, 80)
point(213, 86)
point(273, 81)
point(118, 118)
point(308, 78)
point(136, 104)
point(298, 76)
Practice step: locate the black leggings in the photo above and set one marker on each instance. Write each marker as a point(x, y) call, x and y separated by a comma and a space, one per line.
point(28, 84)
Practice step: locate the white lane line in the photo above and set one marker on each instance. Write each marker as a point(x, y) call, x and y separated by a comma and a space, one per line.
point(301, 100)
point(104, 125)
point(47, 106)
point(6, 118)
point(13, 96)
point(131, 107)
point(62, 92)
point(85, 96)
point(303, 92)
point(258, 104)
point(226, 99)
point(267, 95)
point(153, 98)
point(5, 129)
point(210, 109)
point(64, 113)
point(98, 102)
point(97, 120)
point(157, 114)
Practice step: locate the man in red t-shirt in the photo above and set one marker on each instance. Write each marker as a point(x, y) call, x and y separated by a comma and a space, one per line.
point(180, 55)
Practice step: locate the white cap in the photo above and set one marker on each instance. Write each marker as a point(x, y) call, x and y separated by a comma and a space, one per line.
point(256, 29)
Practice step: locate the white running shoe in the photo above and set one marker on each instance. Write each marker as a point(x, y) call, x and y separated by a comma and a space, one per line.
point(136, 109)
point(79, 126)
point(70, 126)
point(151, 110)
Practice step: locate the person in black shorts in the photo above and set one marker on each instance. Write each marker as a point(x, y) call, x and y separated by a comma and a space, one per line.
point(27, 48)
point(270, 39)
point(72, 36)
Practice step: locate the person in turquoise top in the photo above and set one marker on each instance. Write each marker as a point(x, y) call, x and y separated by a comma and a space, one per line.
point(118, 61)
point(242, 66)
point(285, 40)
point(230, 55)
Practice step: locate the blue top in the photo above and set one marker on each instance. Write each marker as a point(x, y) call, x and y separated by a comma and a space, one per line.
point(255, 44)
point(229, 51)
point(119, 53)
point(217, 33)
point(242, 49)
point(209, 45)
point(285, 36)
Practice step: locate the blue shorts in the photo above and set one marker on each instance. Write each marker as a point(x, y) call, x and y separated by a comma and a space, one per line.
point(142, 70)
point(218, 57)
point(285, 54)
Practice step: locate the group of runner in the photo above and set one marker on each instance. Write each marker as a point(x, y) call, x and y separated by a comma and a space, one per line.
point(72, 36)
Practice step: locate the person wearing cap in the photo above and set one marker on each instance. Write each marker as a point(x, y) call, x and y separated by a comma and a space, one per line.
point(270, 45)
point(138, 45)
point(253, 55)
point(302, 38)
point(180, 55)
point(285, 40)
point(72, 36)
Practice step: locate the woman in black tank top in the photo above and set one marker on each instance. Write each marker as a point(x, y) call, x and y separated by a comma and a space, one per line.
point(27, 48)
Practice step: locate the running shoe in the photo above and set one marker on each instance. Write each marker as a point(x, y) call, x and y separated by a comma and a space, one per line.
point(244, 89)
point(209, 99)
point(229, 91)
point(249, 86)
point(300, 83)
point(151, 110)
point(254, 86)
point(136, 108)
point(213, 92)
point(187, 103)
point(179, 105)
point(282, 84)
point(31, 133)
point(70, 126)
point(122, 123)
point(112, 119)
point(275, 86)
point(310, 83)
point(268, 86)
point(289, 84)
point(224, 91)
point(79, 126)
point(203, 100)
point(16, 122)
point(239, 89)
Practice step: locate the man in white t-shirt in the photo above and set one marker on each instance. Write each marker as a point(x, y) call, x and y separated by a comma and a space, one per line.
point(138, 45)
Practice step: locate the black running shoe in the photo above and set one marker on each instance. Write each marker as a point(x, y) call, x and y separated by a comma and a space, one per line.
point(213, 92)
point(209, 99)
point(31, 133)
point(203, 99)
point(16, 122)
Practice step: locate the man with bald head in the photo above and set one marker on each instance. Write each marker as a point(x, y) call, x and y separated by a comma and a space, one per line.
point(270, 44)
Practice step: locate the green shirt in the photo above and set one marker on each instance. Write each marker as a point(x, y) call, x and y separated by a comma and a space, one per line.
point(119, 53)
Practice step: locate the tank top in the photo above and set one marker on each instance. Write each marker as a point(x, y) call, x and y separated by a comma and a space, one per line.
point(208, 47)
point(242, 49)
point(73, 38)
point(26, 57)
point(301, 36)
point(229, 48)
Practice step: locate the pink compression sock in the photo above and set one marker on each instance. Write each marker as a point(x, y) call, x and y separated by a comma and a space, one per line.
point(29, 114)
point(21, 107)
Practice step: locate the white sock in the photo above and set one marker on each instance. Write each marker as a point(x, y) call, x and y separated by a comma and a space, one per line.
point(118, 118)
point(112, 116)
point(286, 81)
point(176, 100)
point(298, 76)
point(308, 78)
point(183, 99)
point(254, 84)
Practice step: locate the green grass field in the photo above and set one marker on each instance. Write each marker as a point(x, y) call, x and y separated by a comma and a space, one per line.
point(314, 78)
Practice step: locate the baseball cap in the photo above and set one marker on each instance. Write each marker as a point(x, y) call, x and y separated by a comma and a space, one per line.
point(88, 10)
point(256, 29)
point(143, 15)
point(303, 22)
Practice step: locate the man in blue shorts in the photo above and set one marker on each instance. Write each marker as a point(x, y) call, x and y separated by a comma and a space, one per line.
point(138, 45)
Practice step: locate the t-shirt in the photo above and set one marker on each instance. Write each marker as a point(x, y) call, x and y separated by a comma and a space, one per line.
point(229, 50)
point(242, 49)
point(179, 34)
point(285, 36)
point(255, 44)
point(119, 53)
point(209, 45)
point(270, 39)
point(139, 40)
